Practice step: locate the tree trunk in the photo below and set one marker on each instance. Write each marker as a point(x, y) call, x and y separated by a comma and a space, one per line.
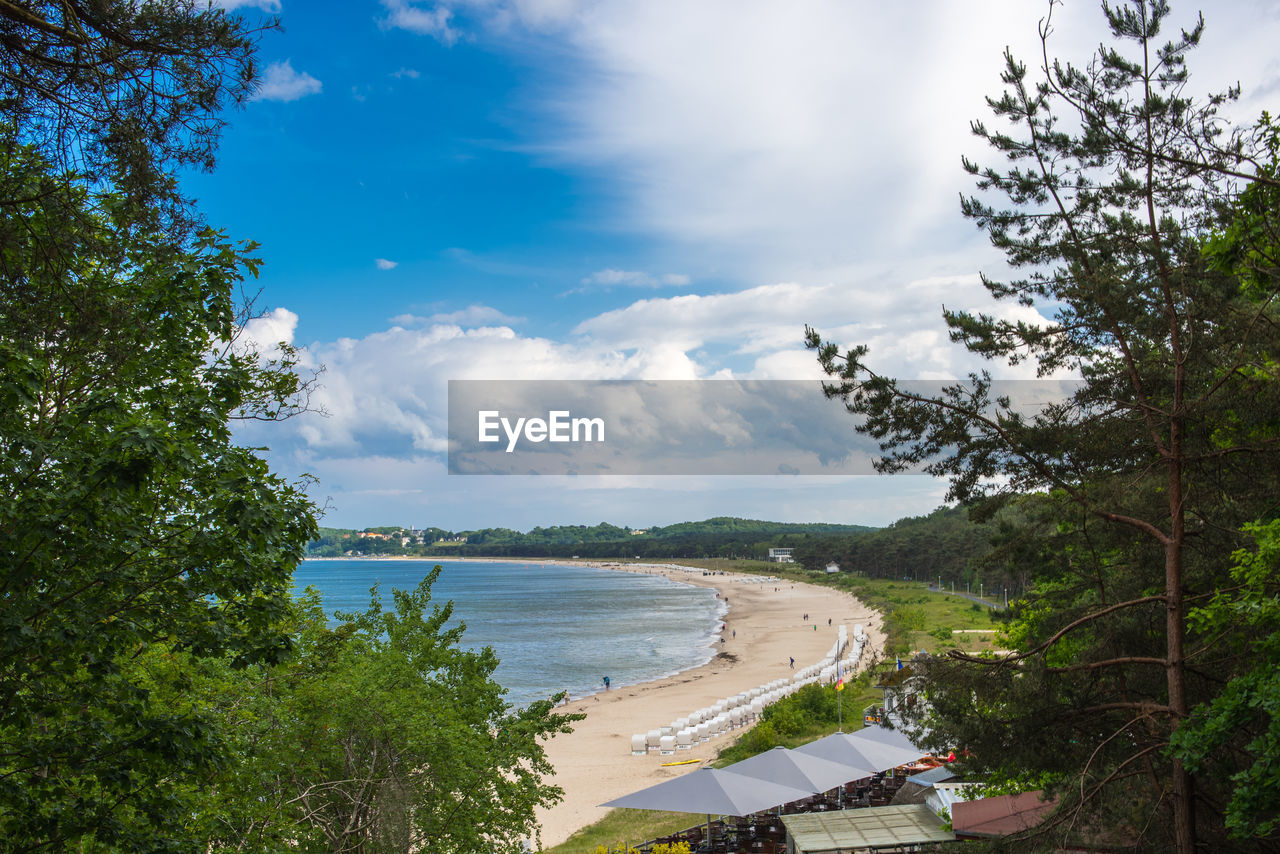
point(1181, 782)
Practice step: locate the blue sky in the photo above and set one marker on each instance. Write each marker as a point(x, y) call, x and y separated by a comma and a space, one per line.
point(568, 189)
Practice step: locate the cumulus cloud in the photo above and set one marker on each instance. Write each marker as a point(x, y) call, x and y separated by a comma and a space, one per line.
point(266, 332)
point(386, 392)
point(280, 82)
point(384, 264)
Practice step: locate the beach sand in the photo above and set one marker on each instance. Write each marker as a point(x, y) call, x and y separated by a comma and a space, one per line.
point(594, 763)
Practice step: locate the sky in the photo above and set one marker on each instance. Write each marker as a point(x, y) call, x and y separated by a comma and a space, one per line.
point(581, 190)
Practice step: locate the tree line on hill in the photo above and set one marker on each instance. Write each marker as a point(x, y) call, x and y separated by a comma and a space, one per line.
point(718, 537)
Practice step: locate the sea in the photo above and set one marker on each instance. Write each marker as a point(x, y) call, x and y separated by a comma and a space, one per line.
point(554, 627)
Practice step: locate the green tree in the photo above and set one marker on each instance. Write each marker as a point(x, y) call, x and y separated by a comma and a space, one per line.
point(129, 518)
point(1113, 181)
point(380, 734)
point(120, 92)
point(1245, 717)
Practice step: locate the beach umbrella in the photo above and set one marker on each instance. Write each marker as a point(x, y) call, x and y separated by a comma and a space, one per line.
point(712, 791)
point(887, 746)
point(861, 750)
point(800, 770)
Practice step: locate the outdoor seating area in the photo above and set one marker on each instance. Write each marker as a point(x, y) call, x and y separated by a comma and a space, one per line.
point(841, 774)
point(764, 833)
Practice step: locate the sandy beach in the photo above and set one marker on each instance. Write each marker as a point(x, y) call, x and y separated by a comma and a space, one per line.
point(765, 628)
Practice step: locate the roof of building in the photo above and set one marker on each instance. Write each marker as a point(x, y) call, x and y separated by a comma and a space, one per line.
point(941, 774)
point(873, 827)
point(999, 816)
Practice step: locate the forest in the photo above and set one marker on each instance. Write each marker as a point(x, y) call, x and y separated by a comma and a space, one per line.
point(717, 537)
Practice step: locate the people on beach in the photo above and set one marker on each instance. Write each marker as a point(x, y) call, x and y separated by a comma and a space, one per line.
point(606, 683)
point(793, 662)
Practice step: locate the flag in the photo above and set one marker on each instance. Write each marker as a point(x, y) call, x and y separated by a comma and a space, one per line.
point(899, 663)
point(840, 684)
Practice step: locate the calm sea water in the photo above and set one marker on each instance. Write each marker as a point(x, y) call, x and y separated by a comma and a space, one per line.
point(553, 627)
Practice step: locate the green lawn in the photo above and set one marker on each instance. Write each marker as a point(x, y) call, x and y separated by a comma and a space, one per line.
point(625, 827)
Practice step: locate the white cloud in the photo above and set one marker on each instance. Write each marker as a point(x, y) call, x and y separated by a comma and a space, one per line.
point(263, 335)
point(385, 393)
point(431, 20)
point(632, 279)
point(411, 73)
point(470, 317)
point(270, 6)
point(281, 83)
point(771, 141)
point(384, 264)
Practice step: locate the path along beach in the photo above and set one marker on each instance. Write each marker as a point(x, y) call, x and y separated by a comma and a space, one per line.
point(765, 628)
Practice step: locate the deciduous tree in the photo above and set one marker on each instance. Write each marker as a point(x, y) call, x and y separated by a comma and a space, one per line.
point(129, 518)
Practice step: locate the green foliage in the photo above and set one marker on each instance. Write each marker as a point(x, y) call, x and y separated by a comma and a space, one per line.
point(719, 537)
point(623, 824)
point(803, 716)
point(130, 522)
point(379, 734)
point(908, 619)
point(123, 93)
point(1115, 200)
point(1246, 714)
point(947, 543)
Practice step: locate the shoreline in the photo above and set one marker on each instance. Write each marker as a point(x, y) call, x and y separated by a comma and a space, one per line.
point(764, 627)
point(709, 647)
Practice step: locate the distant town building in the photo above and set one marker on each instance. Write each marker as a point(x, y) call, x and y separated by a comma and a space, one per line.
point(781, 556)
point(833, 568)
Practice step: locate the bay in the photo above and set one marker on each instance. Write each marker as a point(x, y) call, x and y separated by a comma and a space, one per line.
point(554, 627)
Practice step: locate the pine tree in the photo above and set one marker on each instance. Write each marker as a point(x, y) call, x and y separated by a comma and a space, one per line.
point(1113, 183)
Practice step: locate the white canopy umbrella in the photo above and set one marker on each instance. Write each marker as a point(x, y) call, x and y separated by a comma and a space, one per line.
point(886, 745)
point(801, 770)
point(711, 791)
point(864, 749)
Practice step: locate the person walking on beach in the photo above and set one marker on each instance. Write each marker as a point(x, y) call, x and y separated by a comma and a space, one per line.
point(606, 683)
point(793, 662)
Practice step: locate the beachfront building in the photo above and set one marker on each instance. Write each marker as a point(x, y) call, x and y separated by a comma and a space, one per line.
point(781, 556)
point(902, 689)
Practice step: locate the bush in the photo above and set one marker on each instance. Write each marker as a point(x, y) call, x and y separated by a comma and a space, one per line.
point(786, 719)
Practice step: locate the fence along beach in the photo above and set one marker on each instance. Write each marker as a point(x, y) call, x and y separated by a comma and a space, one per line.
point(764, 629)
